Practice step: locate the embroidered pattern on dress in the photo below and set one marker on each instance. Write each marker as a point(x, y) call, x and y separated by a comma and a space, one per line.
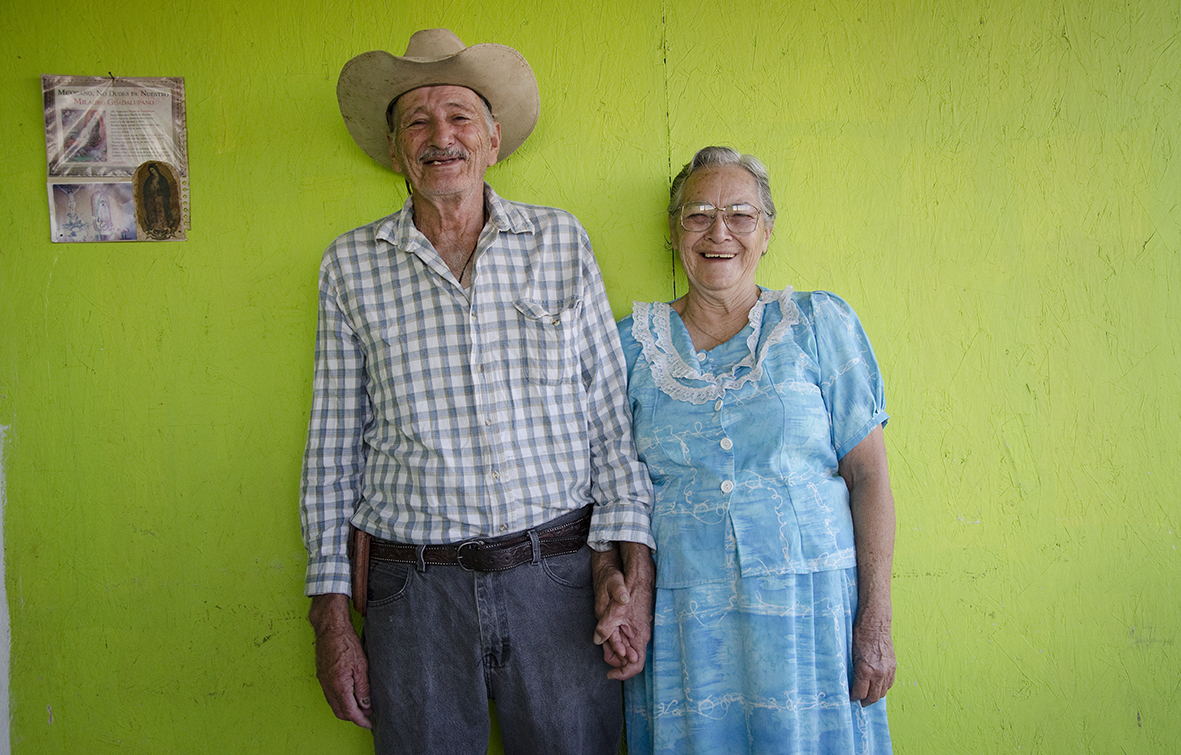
point(652, 328)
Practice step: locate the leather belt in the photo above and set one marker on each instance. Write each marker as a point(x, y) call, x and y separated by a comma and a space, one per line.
point(492, 554)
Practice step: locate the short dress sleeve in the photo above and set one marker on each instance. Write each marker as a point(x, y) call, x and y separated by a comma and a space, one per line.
point(850, 379)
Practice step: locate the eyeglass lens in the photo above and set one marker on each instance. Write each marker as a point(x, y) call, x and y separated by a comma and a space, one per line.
point(739, 218)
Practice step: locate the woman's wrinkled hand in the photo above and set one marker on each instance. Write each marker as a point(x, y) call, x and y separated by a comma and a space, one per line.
point(624, 577)
point(873, 663)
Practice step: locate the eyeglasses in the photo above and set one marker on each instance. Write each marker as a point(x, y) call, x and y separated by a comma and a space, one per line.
point(739, 218)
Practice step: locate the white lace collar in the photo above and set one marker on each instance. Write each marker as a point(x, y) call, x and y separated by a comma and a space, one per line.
point(685, 381)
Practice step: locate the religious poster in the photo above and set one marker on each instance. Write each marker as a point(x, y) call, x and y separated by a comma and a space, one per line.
point(117, 156)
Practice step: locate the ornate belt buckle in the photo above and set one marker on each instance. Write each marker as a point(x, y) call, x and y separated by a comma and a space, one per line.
point(459, 553)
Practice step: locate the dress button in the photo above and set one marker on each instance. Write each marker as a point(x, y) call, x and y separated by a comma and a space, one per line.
point(727, 486)
point(727, 444)
point(718, 406)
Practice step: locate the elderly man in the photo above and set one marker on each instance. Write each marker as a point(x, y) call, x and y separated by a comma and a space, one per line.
point(469, 413)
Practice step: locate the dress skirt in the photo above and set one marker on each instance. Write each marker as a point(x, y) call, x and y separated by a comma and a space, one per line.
point(759, 665)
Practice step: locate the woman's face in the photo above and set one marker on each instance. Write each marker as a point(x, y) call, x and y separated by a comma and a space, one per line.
point(718, 261)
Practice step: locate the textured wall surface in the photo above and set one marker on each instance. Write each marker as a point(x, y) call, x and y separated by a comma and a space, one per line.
point(994, 186)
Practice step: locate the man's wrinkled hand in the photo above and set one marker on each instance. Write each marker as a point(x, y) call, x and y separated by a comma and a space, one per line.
point(341, 665)
point(624, 578)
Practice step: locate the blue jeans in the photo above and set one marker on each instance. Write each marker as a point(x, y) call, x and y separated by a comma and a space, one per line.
point(442, 641)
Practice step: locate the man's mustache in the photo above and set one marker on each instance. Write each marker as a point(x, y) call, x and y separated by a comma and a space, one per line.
point(433, 153)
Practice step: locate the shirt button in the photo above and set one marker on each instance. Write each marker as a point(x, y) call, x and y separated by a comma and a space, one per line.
point(503, 527)
point(727, 486)
point(557, 321)
point(487, 423)
point(727, 444)
point(718, 406)
point(701, 356)
point(495, 475)
point(479, 368)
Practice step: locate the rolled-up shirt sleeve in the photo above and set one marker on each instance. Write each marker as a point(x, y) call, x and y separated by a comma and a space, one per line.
point(334, 459)
point(620, 485)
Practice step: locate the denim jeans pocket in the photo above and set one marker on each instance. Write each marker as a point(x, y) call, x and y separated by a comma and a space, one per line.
point(571, 570)
point(388, 582)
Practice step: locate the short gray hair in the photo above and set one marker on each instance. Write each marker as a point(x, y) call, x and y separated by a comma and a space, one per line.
point(709, 157)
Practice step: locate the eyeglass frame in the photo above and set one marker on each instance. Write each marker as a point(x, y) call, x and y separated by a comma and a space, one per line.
point(725, 211)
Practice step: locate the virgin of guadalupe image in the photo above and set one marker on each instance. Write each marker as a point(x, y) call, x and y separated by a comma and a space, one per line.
point(86, 137)
point(157, 208)
point(100, 210)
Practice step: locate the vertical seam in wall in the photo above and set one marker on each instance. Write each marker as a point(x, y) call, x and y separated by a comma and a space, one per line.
point(5, 628)
point(668, 130)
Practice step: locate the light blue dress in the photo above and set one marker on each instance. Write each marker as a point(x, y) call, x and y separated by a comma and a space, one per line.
point(756, 579)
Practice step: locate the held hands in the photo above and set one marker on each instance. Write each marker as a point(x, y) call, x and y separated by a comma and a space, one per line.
point(624, 577)
point(341, 665)
point(873, 662)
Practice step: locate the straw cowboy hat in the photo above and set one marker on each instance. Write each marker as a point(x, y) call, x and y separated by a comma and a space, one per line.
point(371, 81)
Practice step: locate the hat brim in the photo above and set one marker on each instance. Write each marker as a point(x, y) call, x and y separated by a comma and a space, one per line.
point(500, 74)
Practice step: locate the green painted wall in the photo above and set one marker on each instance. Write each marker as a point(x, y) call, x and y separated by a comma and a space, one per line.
point(995, 186)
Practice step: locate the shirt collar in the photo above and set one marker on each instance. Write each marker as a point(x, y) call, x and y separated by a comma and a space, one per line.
point(506, 215)
point(398, 229)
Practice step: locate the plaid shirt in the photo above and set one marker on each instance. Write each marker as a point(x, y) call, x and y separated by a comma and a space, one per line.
point(441, 414)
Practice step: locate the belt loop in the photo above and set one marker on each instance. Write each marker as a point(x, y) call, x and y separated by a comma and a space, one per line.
point(536, 541)
point(418, 552)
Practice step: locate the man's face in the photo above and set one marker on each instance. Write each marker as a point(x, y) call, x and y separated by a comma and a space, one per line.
point(441, 141)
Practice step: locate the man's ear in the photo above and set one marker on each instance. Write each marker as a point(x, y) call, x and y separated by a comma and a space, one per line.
point(494, 153)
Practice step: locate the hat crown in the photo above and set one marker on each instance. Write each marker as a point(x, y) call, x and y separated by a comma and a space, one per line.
point(433, 44)
point(434, 57)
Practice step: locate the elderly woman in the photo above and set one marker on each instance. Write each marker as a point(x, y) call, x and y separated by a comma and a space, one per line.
point(759, 414)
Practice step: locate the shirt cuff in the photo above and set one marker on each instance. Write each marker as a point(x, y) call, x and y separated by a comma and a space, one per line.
point(328, 575)
point(625, 521)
